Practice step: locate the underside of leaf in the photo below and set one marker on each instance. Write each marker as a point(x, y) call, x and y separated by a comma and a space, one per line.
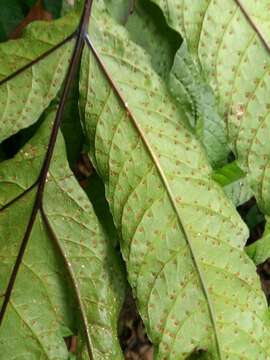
point(23, 98)
point(234, 183)
point(196, 99)
point(230, 42)
point(181, 238)
point(42, 323)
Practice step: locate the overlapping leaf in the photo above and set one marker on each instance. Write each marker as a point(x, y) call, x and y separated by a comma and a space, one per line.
point(182, 240)
point(196, 99)
point(234, 183)
point(42, 311)
point(233, 53)
point(23, 98)
point(147, 27)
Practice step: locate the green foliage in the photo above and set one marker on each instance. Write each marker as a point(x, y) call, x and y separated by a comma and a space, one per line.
point(54, 7)
point(70, 5)
point(196, 98)
point(158, 121)
point(227, 47)
point(158, 40)
point(23, 98)
point(41, 309)
point(234, 183)
point(11, 14)
point(38, 306)
point(224, 48)
point(173, 218)
point(71, 127)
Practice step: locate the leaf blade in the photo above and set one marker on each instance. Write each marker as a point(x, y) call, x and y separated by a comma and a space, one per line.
point(25, 97)
point(135, 162)
point(84, 241)
point(197, 100)
point(234, 182)
point(225, 51)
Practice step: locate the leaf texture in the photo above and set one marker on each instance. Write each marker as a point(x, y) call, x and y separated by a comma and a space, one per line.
point(234, 183)
point(181, 238)
point(120, 10)
point(24, 97)
point(147, 27)
point(227, 46)
point(196, 99)
point(40, 312)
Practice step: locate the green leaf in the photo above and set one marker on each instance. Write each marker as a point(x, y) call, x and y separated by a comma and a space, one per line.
point(230, 41)
point(11, 14)
point(13, 144)
point(182, 239)
point(54, 7)
point(259, 251)
point(147, 27)
point(41, 309)
point(120, 10)
point(95, 191)
point(234, 183)
point(197, 100)
point(70, 5)
point(71, 126)
point(24, 97)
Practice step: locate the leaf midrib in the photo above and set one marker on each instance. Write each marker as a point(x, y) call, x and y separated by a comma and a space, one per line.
point(42, 347)
point(181, 225)
point(253, 24)
point(168, 189)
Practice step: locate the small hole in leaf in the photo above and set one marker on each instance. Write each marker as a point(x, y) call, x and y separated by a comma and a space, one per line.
point(132, 335)
point(10, 146)
point(254, 219)
point(231, 157)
